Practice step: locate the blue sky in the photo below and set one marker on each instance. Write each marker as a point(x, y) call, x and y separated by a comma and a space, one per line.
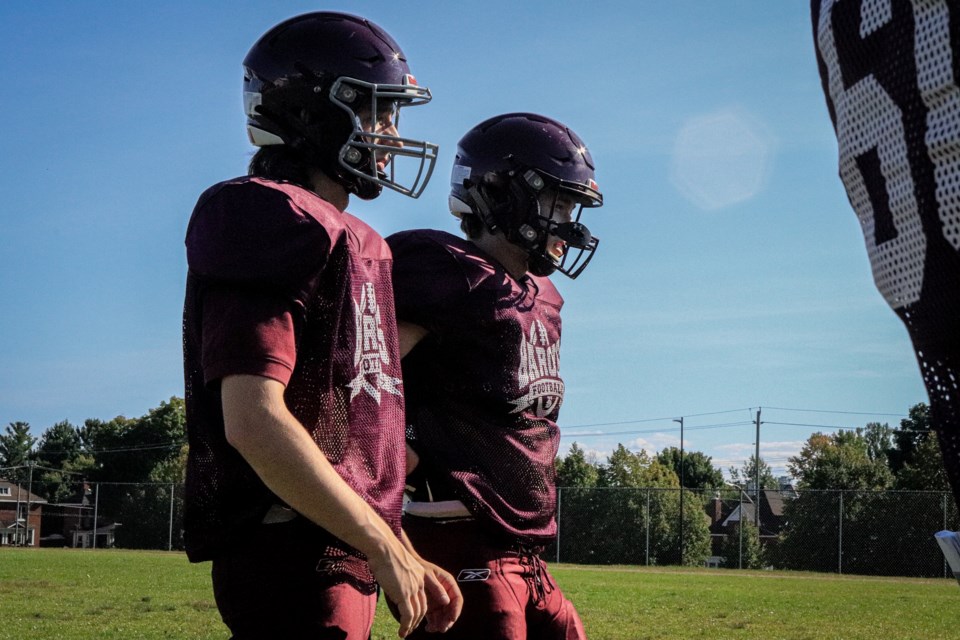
point(731, 273)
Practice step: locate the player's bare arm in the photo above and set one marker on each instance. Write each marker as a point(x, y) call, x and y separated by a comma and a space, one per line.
point(410, 334)
point(259, 426)
point(444, 599)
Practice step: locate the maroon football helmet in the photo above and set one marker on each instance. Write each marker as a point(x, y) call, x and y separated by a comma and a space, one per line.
point(309, 81)
point(503, 165)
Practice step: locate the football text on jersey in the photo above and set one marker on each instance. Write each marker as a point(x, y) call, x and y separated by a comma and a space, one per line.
point(539, 372)
point(371, 353)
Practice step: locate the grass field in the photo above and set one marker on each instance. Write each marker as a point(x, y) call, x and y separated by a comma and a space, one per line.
point(74, 594)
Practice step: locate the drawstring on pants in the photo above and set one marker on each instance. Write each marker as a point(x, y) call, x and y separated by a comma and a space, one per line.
point(534, 573)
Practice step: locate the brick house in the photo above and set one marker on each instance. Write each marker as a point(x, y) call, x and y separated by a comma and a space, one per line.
point(17, 527)
point(725, 515)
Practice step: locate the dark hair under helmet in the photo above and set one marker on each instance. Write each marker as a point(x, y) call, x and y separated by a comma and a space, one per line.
point(504, 164)
point(308, 81)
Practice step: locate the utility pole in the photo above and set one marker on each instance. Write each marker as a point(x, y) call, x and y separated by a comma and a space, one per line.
point(740, 492)
point(16, 533)
point(170, 534)
point(681, 488)
point(26, 528)
point(96, 504)
point(756, 506)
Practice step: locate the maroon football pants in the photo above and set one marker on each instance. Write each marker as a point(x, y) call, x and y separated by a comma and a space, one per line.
point(507, 594)
point(284, 587)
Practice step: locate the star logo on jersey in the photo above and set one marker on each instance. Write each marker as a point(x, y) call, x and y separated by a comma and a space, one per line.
point(371, 353)
point(473, 575)
point(539, 372)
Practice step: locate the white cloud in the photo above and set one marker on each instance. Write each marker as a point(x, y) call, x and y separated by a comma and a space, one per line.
point(653, 443)
point(776, 454)
point(735, 454)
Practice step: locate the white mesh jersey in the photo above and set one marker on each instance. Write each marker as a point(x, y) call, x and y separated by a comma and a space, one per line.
point(890, 72)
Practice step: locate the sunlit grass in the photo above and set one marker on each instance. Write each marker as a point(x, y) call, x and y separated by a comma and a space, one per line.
point(47, 593)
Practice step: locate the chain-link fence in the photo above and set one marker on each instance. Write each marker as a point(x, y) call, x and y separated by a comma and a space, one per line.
point(861, 532)
point(864, 532)
point(104, 515)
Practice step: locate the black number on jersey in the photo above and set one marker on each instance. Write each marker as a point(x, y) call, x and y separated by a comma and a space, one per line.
point(890, 76)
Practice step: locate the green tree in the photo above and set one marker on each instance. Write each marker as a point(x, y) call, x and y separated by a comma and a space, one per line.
point(60, 451)
point(623, 468)
point(839, 461)
point(915, 455)
point(743, 549)
point(925, 472)
point(575, 470)
point(635, 508)
point(127, 450)
point(838, 481)
point(913, 430)
point(879, 438)
point(59, 443)
point(109, 444)
point(16, 447)
point(698, 469)
point(149, 449)
point(746, 475)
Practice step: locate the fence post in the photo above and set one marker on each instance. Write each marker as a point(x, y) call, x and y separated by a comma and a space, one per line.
point(646, 526)
point(96, 504)
point(170, 534)
point(16, 532)
point(559, 501)
point(943, 497)
point(26, 523)
point(840, 537)
point(740, 530)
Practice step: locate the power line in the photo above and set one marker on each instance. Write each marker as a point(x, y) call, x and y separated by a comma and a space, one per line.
point(640, 420)
point(145, 447)
point(149, 447)
point(852, 413)
point(642, 431)
point(37, 466)
point(711, 413)
point(817, 426)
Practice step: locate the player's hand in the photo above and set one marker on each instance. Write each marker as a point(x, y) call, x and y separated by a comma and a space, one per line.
point(401, 576)
point(444, 600)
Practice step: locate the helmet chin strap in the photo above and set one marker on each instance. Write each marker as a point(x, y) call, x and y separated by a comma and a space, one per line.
point(541, 266)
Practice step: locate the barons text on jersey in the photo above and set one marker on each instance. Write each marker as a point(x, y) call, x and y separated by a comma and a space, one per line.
point(539, 372)
point(371, 354)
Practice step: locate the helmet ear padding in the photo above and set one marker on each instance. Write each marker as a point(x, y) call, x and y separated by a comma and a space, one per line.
point(509, 203)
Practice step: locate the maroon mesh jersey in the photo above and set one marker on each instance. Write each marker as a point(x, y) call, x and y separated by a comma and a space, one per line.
point(483, 388)
point(890, 74)
point(283, 285)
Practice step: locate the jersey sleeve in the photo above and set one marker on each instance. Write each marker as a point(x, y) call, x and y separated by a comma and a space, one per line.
point(247, 332)
point(429, 282)
point(258, 259)
point(249, 234)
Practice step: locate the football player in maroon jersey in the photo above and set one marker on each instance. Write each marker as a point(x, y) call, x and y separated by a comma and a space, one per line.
point(294, 406)
point(479, 327)
point(890, 76)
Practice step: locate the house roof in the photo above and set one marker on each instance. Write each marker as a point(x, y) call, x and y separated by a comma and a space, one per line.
point(10, 492)
point(771, 512)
